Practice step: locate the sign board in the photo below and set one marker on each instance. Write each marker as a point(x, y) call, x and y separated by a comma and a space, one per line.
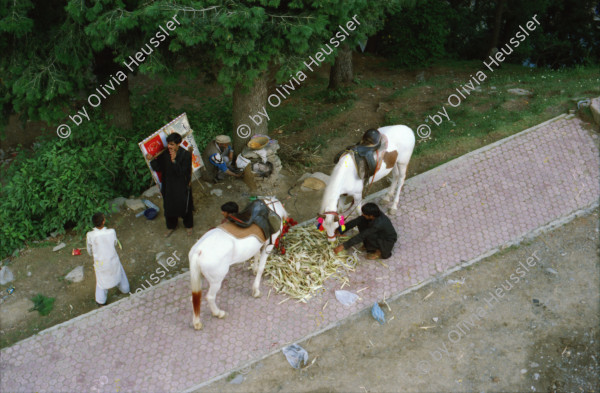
point(157, 144)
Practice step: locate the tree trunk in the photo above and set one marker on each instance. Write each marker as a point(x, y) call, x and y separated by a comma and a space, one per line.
point(116, 104)
point(341, 71)
point(246, 105)
point(497, 27)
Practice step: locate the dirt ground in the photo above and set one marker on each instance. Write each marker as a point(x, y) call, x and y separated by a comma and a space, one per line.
point(451, 335)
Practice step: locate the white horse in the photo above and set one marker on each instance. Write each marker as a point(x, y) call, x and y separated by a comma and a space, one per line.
point(345, 179)
point(214, 252)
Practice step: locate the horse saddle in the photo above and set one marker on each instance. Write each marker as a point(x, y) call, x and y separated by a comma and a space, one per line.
point(367, 155)
point(258, 213)
point(242, 233)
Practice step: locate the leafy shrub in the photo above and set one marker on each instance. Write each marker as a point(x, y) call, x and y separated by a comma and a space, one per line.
point(65, 181)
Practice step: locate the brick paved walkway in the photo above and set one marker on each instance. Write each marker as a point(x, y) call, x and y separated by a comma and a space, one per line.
point(449, 215)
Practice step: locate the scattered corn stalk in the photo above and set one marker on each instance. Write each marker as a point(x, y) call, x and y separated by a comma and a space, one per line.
point(309, 260)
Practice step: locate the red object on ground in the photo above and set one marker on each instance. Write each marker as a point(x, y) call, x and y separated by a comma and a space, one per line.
point(76, 251)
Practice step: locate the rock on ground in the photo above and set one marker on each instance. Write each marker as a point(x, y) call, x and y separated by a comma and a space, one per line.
point(59, 247)
point(135, 204)
point(6, 275)
point(75, 275)
point(314, 182)
point(117, 203)
point(152, 191)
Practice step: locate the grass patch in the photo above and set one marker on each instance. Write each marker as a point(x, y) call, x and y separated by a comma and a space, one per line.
point(491, 113)
point(42, 304)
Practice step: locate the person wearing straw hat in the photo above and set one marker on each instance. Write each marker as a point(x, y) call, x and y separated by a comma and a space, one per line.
point(219, 154)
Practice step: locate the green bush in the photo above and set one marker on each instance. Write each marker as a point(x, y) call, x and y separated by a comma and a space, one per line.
point(65, 181)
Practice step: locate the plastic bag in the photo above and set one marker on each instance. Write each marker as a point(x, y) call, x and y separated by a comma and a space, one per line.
point(345, 297)
point(295, 354)
point(378, 313)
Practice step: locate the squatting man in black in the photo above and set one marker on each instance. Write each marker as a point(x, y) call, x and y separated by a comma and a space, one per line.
point(376, 232)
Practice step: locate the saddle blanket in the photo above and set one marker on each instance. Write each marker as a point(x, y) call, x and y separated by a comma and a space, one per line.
point(242, 233)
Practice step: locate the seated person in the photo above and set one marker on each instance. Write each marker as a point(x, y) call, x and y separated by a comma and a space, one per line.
point(227, 209)
point(376, 232)
point(219, 156)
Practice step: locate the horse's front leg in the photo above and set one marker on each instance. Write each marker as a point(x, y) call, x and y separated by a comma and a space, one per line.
point(389, 196)
point(264, 253)
point(401, 169)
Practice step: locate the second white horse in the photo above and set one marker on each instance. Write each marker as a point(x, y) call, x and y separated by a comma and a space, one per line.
point(214, 252)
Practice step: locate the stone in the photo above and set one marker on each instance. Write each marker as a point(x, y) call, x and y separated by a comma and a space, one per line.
point(313, 184)
point(314, 181)
point(237, 380)
point(152, 191)
point(135, 204)
point(6, 275)
point(54, 234)
point(216, 192)
point(550, 270)
point(59, 247)
point(117, 203)
point(75, 275)
point(519, 92)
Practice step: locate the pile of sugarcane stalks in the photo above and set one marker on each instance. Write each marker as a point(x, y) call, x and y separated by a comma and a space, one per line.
point(308, 261)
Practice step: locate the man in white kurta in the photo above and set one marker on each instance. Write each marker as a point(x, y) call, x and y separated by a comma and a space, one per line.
point(101, 244)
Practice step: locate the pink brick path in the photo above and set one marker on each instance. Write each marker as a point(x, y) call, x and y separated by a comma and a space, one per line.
point(451, 214)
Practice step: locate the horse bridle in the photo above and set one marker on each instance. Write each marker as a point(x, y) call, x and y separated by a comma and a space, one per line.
point(324, 215)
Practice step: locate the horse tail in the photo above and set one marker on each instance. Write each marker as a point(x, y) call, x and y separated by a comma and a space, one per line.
point(196, 281)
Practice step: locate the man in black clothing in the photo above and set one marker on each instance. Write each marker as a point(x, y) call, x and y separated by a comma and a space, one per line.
point(375, 231)
point(175, 164)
